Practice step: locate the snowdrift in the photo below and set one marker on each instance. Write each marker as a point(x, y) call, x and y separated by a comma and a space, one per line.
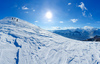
point(24, 43)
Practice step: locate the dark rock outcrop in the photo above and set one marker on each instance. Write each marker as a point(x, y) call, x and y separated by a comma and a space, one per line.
point(95, 38)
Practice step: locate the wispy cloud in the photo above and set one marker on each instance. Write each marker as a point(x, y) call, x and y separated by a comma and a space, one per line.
point(26, 12)
point(74, 20)
point(24, 8)
point(88, 23)
point(84, 13)
point(33, 10)
point(69, 3)
point(88, 27)
point(82, 6)
point(64, 28)
point(61, 22)
point(36, 21)
point(56, 28)
point(90, 15)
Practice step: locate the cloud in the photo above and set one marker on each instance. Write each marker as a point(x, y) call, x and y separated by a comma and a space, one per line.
point(88, 23)
point(36, 21)
point(61, 22)
point(84, 13)
point(26, 12)
point(90, 15)
point(56, 28)
point(69, 3)
point(88, 27)
point(82, 6)
point(24, 8)
point(33, 10)
point(74, 20)
point(64, 28)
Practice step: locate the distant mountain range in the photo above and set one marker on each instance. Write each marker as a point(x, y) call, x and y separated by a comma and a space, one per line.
point(78, 33)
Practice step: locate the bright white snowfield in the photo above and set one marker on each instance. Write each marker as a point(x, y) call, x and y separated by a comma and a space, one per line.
point(25, 43)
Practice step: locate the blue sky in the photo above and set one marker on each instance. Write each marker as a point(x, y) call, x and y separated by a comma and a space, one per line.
point(65, 13)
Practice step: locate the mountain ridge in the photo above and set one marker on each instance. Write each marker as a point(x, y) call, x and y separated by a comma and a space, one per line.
point(78, 33)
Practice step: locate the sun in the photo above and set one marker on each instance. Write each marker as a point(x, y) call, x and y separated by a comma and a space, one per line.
point(49, 15)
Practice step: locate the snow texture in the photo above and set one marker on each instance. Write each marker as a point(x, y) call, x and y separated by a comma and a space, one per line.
point(25, 43)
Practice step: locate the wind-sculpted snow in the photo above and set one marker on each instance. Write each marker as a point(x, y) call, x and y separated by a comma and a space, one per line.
point(25, 43)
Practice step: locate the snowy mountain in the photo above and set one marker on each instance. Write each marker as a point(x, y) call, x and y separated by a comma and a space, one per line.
point(24, 43)
point(78, 33)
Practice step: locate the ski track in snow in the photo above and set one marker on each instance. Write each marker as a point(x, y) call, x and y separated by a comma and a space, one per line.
point(24, 43)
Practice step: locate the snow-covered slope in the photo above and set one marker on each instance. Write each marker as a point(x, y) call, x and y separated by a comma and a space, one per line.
point(78, 33)
point(25, 43)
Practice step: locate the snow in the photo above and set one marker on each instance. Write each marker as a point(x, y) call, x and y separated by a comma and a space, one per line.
point(25, 43)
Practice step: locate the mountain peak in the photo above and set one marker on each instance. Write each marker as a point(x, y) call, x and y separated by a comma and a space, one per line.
point(16, 22)
point(9, 18)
